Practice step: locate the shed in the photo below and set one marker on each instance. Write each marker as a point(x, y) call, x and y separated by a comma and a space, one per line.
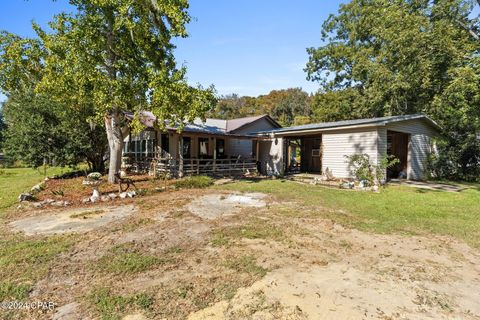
point(316, 148)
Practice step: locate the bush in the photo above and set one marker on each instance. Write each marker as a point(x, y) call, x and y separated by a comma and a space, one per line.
point(363, 170)
point(194, 182)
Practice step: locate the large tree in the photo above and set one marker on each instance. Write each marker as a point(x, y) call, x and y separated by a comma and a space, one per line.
point(286, 105)
point(117, 55)
point(42, 129)
point(3, 127)
point(400, 57)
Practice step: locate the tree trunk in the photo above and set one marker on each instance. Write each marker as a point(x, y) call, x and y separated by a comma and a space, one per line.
point(115, 143)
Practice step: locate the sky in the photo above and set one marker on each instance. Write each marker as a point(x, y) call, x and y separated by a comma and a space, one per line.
point(248, 47)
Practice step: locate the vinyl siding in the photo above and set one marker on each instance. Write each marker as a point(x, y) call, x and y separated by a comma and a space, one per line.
point(243, 147)
point(338, 144)
point(420, 145)
point(259, 125)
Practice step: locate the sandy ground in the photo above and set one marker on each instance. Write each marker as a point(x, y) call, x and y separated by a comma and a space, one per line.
point(316, 269)
point(212, 206)
point(72, 220)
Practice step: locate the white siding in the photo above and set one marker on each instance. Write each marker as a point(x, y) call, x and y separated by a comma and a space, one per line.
point(338, 144)
point(419, 146)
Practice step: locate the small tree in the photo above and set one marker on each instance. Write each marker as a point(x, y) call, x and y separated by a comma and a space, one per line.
point(364, 170)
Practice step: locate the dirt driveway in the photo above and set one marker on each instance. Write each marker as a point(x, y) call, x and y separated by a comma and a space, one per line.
point(248, 256)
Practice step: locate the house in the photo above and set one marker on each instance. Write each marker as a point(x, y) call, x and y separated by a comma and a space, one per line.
point(203, 147)
point(323, 147)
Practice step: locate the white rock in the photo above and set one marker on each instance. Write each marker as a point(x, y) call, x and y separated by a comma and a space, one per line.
point(58, 203)
point(96, 193)
point(123, 195)
point(112, 195)
point(37, 204)
point(94, 199)
point(105, 198)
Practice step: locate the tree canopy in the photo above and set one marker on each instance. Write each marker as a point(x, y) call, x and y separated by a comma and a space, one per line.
point(386, 57)
point(111, 57)
point(287, 106)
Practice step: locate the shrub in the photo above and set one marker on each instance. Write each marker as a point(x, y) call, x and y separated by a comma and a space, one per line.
point(363, 169)
point(194, 182)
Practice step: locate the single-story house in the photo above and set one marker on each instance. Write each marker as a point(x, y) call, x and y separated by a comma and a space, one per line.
point(203, 147)
point(323, 147)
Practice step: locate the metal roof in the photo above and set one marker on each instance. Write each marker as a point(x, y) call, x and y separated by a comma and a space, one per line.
point(209, 126)
point(351, 123)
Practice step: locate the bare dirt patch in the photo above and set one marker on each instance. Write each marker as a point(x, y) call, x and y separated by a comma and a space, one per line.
point(212, 206)
point(73, 220)
point(250, 257)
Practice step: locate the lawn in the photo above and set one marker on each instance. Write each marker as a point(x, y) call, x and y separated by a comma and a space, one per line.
point(14, 181)
point(396, 209)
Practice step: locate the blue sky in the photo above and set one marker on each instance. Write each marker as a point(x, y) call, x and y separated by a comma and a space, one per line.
point(247, 47)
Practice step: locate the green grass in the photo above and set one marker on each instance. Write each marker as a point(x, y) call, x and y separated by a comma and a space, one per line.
point(257, 229)
point(125, 259)
point(23, 262)
point(14, 181)
point(112, 306)
point(247, 264)
point(396, 209)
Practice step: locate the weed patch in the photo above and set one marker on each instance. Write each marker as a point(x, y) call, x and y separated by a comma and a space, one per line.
point(194, 182)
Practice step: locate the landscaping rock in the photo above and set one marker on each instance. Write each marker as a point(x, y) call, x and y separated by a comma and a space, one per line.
point(112, 195)
point(86, 200)
point(59, 203)
point(94, 199)
point(26, 197)
point(37, 188)
point(37, 204)
point(123, 195)
point(131, 194)
point(105, 198)
point(48, 201)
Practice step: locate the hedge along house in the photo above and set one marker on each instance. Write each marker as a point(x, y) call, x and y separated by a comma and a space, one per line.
point(324, 147)
point(213, 146)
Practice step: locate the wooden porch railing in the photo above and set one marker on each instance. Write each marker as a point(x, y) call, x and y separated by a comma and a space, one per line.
point(195, 166)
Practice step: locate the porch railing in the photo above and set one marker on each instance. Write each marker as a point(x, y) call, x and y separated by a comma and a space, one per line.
point(195, 166)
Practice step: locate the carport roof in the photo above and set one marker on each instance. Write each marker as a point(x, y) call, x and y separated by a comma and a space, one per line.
point(351, 124)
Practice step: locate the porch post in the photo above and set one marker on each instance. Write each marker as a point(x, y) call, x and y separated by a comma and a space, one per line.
point(180, 156)
point(257, 153)
point(214, 154)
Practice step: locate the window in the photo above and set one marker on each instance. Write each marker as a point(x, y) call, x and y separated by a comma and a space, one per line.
point(220, 148)
point(187, 146)
point(203, 146)
point(165, 143)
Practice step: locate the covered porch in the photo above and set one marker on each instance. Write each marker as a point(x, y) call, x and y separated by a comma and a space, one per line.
point(190, 153)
